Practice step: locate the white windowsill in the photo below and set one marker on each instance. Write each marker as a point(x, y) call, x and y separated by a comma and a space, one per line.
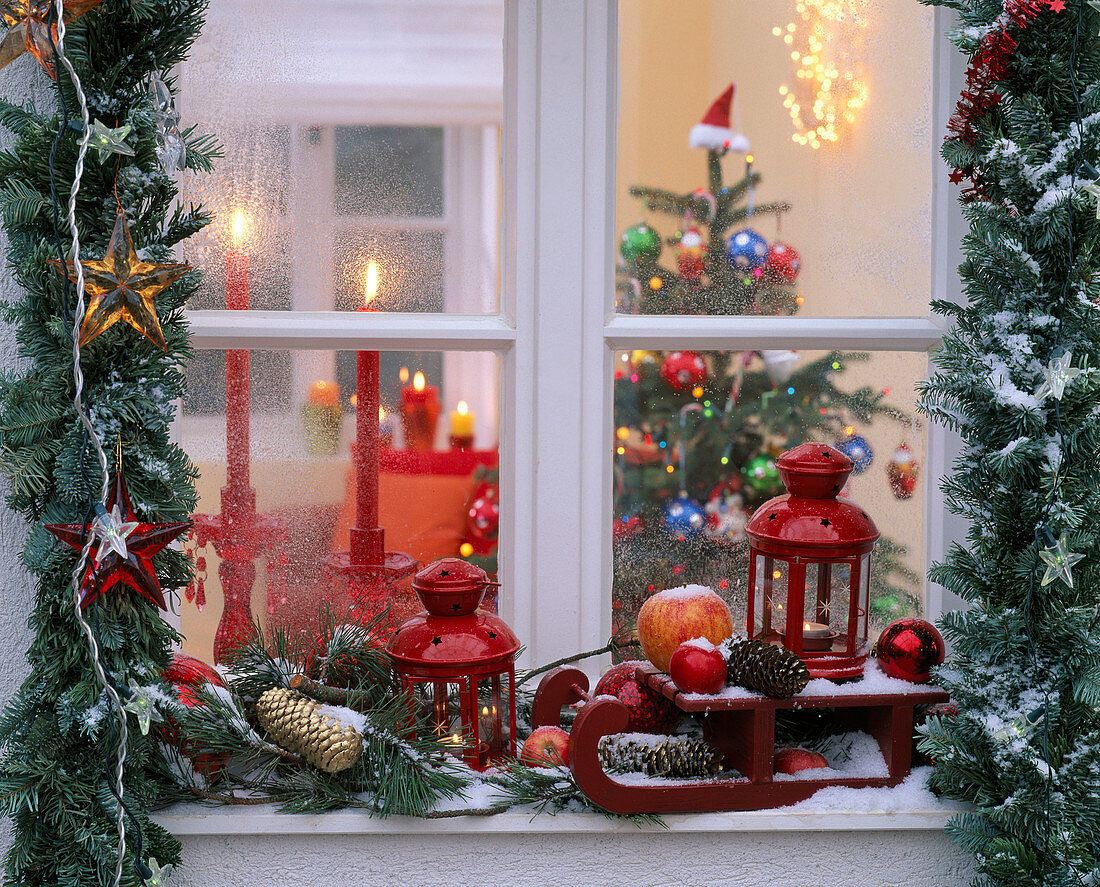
point(197, 820)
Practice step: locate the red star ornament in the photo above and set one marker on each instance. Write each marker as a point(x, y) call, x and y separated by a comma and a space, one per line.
point(1057, 5)
point(136, 568)
point(32, 28)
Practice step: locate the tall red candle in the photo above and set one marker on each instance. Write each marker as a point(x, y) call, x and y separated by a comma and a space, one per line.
point(236, 372)
point(366, 543)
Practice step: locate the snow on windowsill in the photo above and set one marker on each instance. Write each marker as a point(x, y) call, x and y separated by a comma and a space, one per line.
point(909, 806)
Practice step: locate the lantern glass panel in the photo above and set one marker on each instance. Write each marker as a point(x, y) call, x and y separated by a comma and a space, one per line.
point(770, 613)
point(864, 594)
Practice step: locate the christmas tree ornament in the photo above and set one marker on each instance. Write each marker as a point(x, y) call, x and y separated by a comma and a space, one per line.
point(726, 513)
point(31, 28)
point(683, 369)
point(885, 608)
point(909, 648)
point(1057, 374)
point(122, 287)
point(779, 364)
point(640, 245)
point(111, 531)
point(1058, 558)
point(760, 475)
point(705, 200)
point(170, 147)
point(134, 568)
point(691, 254)
point(649, 711)
point(483, 516)
point(684, 518)
point(107, 141)
point(902, 472)
point(300, 725)
point(766, 668)
point(783, 263)
point(640, 357)
point(140, 704)
point(673, 757)
point(856, 448)
point(746, 250)
point(628, 526)
point(714, 132)
point(189, 677)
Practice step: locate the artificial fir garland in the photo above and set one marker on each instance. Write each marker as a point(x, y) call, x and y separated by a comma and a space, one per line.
point(1015, 377)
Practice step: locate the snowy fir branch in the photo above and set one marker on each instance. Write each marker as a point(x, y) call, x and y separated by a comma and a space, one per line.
point(1015, 377)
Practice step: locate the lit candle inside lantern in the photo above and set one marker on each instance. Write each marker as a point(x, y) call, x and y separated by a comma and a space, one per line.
point(816, 636)
point(367, 544)
point(462, 426)
point(420, 410)
point(386, 427)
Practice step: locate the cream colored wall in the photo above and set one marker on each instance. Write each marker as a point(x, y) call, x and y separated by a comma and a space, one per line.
point(861, 208)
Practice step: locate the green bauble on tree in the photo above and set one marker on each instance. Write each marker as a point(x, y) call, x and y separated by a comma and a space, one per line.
point(640, 245)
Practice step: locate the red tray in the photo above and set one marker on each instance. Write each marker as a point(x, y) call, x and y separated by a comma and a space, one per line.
point(743, 729)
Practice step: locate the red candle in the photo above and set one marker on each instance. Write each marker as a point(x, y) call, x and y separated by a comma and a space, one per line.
point(420, 410)
point(236, 369)
point(367, 545)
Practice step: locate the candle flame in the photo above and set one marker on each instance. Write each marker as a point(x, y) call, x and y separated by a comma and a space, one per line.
point(485, 709)
point(805, 626)
point(403, 375)
point(418, 381)
point(238, 227)
point(370, 282)
point(381, 412)
point(463, 408)
point(354, 401)
point(456, 739)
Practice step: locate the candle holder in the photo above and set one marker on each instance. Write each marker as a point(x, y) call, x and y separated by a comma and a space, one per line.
point(810, 565)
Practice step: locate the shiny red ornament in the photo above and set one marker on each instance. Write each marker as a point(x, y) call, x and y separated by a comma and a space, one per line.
point(483, 516)
point(627, 526)
point(909, 648)
point(136, 569)
point(683, 369)
point(187, 675)
point(650, 712)
point(783, 263)
point(902, 472)
point(454, 643)
point(691, 254)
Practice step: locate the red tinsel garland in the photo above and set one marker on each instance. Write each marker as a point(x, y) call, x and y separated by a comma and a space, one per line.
point(988, 66)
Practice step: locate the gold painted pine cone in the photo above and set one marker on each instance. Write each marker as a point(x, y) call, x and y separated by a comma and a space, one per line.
point(294, 722)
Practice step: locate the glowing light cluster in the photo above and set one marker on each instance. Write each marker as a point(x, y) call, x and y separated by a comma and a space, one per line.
point(828, 90)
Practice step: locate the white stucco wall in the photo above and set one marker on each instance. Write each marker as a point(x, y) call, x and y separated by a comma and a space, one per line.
point(711, 851)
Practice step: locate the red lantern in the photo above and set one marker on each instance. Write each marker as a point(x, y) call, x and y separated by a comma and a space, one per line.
point(809, 565)
point(456, 644)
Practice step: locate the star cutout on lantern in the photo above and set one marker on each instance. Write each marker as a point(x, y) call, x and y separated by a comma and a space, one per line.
point(826, 454)
point(122, 287)
point(1093, 188)
point(31, 28)
point(140, 703)
point(436, 641)
point(825, 522)
point(108, 141)
point(157, 874)
point(136, 568)
point(1059, 561)
point(1056, 375)
point(772, 516)
point(492, 635)
point(111, 531)
point(443, 574)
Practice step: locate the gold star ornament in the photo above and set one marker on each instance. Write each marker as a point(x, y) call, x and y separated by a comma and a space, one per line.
point(31, 28)
point(121, 287)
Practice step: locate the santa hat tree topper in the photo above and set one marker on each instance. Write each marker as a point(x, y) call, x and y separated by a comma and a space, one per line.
point(714, 132)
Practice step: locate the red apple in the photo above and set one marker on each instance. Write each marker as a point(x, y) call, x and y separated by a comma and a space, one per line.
point(697, 666)
point(676, 615)
point(794, 760)
point(546, 747)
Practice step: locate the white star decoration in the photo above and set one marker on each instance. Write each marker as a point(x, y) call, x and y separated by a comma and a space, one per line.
point(1059, 562)
point(140, 703)
point(1093, 188)
point(159, 874)
point(111, 531)
point(1056, 375)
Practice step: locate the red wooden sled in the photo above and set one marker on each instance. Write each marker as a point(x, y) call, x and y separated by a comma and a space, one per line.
point(742, 728)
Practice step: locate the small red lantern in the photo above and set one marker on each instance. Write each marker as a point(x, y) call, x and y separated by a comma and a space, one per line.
point(810, 541)
point(455, 643)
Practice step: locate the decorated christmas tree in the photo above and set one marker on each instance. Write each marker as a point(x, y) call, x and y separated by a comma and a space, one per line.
point(1016, 378)
point(698, 432)
point(84, 428)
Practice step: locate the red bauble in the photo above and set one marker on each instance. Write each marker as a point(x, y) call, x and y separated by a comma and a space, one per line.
point(783, 263)
point(683, 369)
point(627, 526)
point(908, 649)
point(696, 668)
point(902, 472)
point(483, 517)
point(795, 760)
point(187, 675)
point(650, 712)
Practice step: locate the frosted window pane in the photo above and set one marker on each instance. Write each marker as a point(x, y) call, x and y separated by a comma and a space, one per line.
point(389, 171)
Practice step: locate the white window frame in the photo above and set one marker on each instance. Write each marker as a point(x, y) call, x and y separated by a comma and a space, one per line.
point(556, 331)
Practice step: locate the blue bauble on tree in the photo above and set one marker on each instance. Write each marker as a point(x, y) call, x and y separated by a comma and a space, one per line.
point(684, 517)
point(746, 250)
point(856, 448)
